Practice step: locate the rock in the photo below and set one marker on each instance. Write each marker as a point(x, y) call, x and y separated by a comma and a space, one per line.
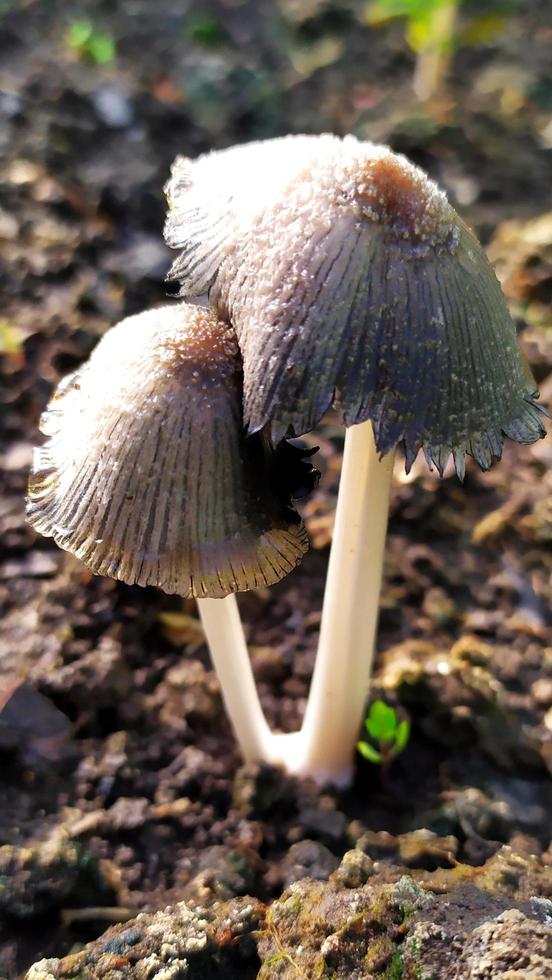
point(308, 859)
point(113, 106)
point(223, 873)
point(101, 675)
point(378, 844)
point(268, 663)
point(468, 695)
point(99, 773)
point(128, 813)
point(424, 849)
point(188, 695)
point(541, 690)
point(34, 728)
point(177, 943)
point(423, 939)
point(440, 608)
point(416, 849)
point(464, 923)
point(259, 789)
point(403, 930)
point(506, 808)
point(525, 804)
point(478, 815)
point(510, 946)
point(192, 772)
point(518, 876)
point(50, 875)
point(354, 870)
point(321, 930)
point(323, 823)
point(506, 873)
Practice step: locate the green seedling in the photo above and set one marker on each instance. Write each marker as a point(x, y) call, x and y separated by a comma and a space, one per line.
point(390, 735)
point(88, 42)
point(433, 32)
point(430, 27)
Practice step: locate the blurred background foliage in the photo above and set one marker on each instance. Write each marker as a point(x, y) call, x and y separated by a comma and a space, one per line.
point(247, 69)
point(97, 98)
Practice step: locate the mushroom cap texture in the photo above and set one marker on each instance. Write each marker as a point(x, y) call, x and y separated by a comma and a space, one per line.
point(350, 279)
point(148, 475)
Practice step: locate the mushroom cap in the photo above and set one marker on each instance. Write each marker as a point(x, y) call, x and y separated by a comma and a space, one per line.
point(148, 475)
point(350, 279)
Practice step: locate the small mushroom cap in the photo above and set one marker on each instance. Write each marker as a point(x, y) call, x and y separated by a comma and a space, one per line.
point(148, 476)
point(349, 278)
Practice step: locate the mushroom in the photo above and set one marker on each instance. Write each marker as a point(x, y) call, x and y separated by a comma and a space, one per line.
point(350, 280)
point(148, 477)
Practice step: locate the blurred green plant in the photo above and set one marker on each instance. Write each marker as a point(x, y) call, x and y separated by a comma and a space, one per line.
point(89, 42)
point(11, 338)
point(432, 32)
point(390, 735)
point(206, 31)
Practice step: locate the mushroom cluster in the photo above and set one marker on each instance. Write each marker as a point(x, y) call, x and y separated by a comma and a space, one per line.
point(336, 274)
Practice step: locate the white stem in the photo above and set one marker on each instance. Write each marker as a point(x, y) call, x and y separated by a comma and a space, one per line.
point(324, 748)
point(343, 668)
point(223, 630)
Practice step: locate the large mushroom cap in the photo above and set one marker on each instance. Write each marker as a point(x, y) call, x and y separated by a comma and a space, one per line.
point(147, 475)
point(348, 276)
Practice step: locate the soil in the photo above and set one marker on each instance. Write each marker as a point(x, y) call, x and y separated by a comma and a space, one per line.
point(121, 788)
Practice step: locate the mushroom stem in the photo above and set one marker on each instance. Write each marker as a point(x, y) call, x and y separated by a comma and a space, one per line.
point(324, 748)
point(224, 633)
point(343, 666)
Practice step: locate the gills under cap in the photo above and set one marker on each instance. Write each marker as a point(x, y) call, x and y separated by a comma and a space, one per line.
point(147, 475)
point(349, 278)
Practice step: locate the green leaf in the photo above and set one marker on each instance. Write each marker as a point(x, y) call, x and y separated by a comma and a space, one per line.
point(401, 736)
point(380, 11)
point(98, 46)
point(420, 32)
point(381, 722)
point(101, 49)
point(432, 29)
point(79, 32)
point(368, 751)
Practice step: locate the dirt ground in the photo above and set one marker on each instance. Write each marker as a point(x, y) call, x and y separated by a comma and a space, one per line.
point(121, 788)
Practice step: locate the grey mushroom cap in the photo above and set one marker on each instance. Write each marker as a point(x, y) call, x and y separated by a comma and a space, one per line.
point(350, 280)
point(148, 475)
